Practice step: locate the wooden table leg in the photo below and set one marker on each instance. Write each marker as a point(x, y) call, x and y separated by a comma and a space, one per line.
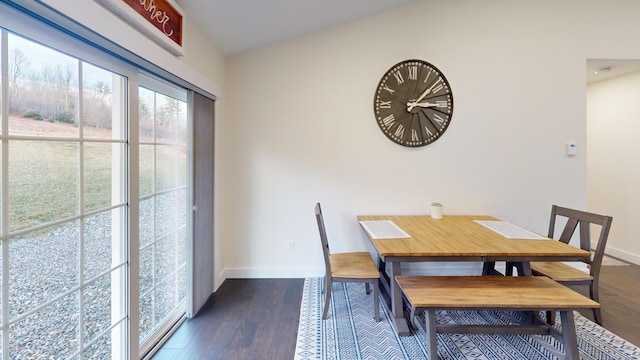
point(569, 337)
point(384, 283)
point(398, 320)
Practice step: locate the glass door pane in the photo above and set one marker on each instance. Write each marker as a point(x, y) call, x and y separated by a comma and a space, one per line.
point(65, 205)
point(163, 212)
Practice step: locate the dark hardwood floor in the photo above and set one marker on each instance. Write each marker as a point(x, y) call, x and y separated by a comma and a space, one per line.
point(244, 319)
point(620, 301)
point(258, 318)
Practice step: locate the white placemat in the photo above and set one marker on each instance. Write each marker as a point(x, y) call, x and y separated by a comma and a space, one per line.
point(383, 229)
point(509, 230)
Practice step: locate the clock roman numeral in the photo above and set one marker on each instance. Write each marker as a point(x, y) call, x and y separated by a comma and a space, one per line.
point(399, 131)
point(390, 90)
point(384, 104)
point(426, 128)
point(437, 118)
point(398, 77)
point(426, 78)
point(414, 135)
point(438, 87)
point(442, 103)
point(413, 72)
point(389, 121)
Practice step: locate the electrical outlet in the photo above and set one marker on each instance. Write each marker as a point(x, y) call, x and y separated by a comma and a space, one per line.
point(292, 245)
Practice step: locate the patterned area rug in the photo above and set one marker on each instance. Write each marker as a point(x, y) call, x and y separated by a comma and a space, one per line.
point(351, 333)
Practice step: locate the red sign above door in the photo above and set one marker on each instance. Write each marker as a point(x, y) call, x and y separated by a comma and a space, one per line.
point(162, 15)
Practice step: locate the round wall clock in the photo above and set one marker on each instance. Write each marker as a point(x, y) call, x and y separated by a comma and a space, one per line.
point(413, 103)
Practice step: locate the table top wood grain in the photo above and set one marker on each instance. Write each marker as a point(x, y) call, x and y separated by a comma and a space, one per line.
point(491, 292)
point(460, 237)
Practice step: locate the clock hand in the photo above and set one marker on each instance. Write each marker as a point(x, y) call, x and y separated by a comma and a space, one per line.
point(410, 106)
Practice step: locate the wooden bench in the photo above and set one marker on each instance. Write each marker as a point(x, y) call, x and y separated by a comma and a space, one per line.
point(530, 294)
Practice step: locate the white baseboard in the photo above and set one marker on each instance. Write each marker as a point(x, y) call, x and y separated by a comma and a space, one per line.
point(434, 268)
point(271, 273)
point(623, 255)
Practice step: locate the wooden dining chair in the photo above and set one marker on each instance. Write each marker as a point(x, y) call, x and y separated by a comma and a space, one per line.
point(566, 274)
point(347, 267)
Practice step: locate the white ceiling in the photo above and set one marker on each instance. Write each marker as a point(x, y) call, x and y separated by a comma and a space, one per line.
point(617, 68)
point(239, 25)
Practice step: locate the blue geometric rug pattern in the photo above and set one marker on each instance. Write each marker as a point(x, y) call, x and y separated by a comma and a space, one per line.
point(350, 332)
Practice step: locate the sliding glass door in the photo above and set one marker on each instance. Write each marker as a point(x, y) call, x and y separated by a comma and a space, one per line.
point(94, 214)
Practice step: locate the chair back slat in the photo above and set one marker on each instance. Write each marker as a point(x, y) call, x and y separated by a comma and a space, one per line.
point(569, 228)
point(585, 235)
point(568, 231)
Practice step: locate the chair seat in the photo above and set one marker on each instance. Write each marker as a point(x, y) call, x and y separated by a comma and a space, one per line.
point(357, 265)
point(559, 271)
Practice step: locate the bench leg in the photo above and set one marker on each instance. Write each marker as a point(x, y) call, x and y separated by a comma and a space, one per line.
point(376, 301)
point(569, 338)
point(430, 333)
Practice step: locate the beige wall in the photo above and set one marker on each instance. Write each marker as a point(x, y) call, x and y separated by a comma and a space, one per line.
point(613, 166)
point(300, 125)
point(203, 57)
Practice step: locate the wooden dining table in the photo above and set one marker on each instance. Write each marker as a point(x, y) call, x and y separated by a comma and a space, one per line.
point(454, 238)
